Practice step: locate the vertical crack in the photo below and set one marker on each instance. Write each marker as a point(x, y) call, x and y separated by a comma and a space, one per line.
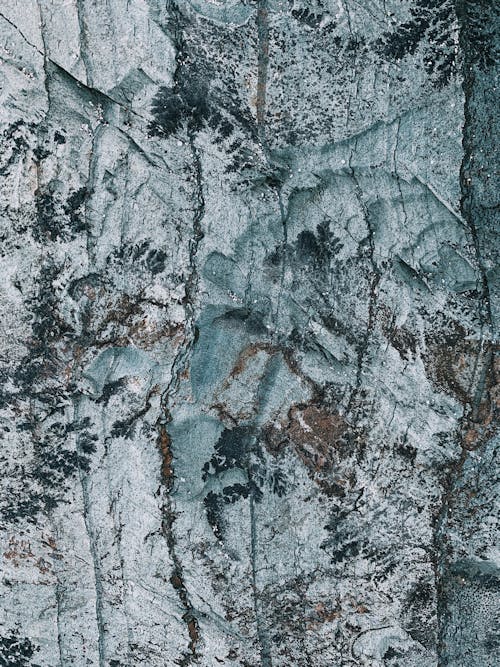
point(262, 67)
point(169, 517)
point(101, 644)
point(179, 367)
point(469, 193)
point(376, 276)
point(83, 43)
point(284, 245)
point(58, 595)
point(262, 635)
point(472, 187)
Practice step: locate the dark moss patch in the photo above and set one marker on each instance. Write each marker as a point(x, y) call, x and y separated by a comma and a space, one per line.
point(341, 545)
point(431, 28)
point(16, 651)
point(74, 210)
point(231, 451)
point(56, 457)
point(56, 219)
point(419, 613)
point(315, 250)
point(400, 337)
point(479, 25)
point(309, 16)
point(59, 138)
point(155, 261)
point(183, 105)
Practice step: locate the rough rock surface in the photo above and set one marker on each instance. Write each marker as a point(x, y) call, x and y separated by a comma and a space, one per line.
point(249, 306)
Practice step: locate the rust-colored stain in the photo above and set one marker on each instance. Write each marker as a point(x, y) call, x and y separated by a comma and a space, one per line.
point(313, 433)
point(124, 323)
point(19, 550)
point(193, 634)
point(50, 542)
point(468, 370)
point(246, 355)
point(166, 454)
point(482, 424)
point(322, 615)
point(320, 437)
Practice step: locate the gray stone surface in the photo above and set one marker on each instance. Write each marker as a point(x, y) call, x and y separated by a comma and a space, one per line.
point(249, 311)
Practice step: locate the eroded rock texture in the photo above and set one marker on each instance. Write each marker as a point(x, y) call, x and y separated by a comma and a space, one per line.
point(249, 305)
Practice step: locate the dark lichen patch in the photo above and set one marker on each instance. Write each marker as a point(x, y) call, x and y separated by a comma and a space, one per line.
point(240, 448)
point(124, 428)
point(192, 105)
point(400, 337)
point(140, 256)
point(253, 319)
point(47, 225)
point(404, 449)
point(184, 105)
point(59, 137)
point(58, 450)
point(278, 482)
point(432, 28)
point(313, 16)
point(392, 654)
point(343, 542)
point(16, 651)
point(48, 329)
point(207, 94)
point(311, 252)
point(110, 389)
point(317, 249)
point(419, 613)
point(58, 220)
point(231, 451)
point(74, 209)
point(479, 20)
point(15, 144)
point(155, 261)
point(215, 503)
point(54, 463)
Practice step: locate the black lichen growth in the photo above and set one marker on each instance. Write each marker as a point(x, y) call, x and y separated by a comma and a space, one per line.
point(231, 451)
point(16, 651)
point(433, 28)
point(184, 105)
point(58, 220)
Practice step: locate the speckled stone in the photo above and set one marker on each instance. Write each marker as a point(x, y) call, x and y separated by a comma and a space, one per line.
point(249, 317)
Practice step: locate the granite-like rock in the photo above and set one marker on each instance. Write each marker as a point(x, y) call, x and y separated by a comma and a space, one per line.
point(250, 316)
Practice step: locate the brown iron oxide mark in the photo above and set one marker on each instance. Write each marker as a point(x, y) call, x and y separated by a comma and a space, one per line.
point(469, 371)
point(166, 457)
point(324, 442)
point(177, 577)
point(246, 355)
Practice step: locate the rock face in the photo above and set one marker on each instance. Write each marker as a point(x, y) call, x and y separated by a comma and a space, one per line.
point(249, 307)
